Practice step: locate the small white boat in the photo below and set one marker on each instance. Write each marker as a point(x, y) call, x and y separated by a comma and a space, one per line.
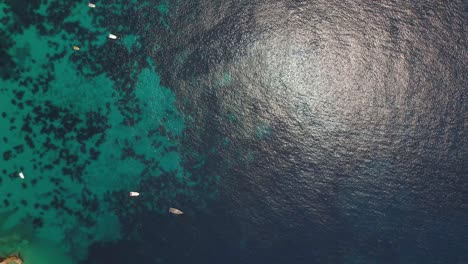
point(175, 211)
point(112, 36)
point(134, 194)
point(21, 175)
point(76, 48)
point(91, 5)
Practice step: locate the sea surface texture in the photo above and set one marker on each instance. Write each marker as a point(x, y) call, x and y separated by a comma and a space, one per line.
point(287, 131)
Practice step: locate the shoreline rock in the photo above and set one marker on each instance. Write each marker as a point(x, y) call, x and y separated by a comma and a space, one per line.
point(11, 259)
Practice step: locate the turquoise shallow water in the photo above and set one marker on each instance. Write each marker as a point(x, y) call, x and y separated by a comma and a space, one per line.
point(84, 126)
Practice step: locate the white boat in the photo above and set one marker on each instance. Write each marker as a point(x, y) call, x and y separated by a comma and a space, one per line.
point(21, 175)
point(112, 36)
point(91, 5)
point(175, 211)
point(134, 194)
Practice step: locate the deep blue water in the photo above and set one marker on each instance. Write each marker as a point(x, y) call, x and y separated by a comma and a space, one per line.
point(346, 124)
point(314, 131)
